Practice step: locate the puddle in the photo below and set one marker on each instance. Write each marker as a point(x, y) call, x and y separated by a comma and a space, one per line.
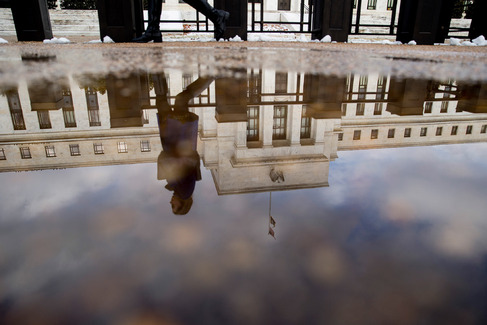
point(185, 192)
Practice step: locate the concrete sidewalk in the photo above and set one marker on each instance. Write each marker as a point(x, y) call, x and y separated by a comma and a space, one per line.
point(412, 61)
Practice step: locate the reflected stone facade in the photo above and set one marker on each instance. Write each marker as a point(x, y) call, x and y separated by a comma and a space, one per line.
point(262, 131)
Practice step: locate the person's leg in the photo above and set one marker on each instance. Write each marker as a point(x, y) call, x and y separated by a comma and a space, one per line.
point(153, 31)
point(193, 90)
point(218, 17)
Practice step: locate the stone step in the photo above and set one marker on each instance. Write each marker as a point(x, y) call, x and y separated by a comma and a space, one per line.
point(63, 22)
point(74, 22)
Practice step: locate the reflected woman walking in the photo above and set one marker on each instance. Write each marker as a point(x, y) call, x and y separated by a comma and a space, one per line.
point(179, 162)
point(153, 32)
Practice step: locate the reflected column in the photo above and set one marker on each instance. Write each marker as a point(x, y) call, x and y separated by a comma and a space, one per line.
point(473, 98)
point(407, 96)
point(324, 97)
point(125, 101)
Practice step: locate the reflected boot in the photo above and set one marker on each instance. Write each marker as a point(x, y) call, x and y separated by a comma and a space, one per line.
point(146, 38)
point(218, 17)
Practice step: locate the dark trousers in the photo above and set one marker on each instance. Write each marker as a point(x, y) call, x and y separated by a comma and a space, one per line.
point(155, 10)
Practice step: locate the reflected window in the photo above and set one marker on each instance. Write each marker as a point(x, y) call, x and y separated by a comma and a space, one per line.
point(279, 124)
point(69, 118)
point(68, 110)
point(254, 87)
point(444, 107)
point(2, 154)
point(44, 119)
point(340, 136)
point(122, 147)
point(407, 132)
point(305, 125)
point(74, 150)
point(374, 134)
point(469, 129)
point(378, 109)
point(439, 131)
point(349, 86)
point(93, 108)
point(281, 82)
point(362, 86)
point(360, 109)
point(372, 4)
point(354, 4)
point(98, 148)
point(15, 110)
point(50, 152)
point(454, 130)
point(391, 133)
point(381, 87)
point(187, 80)
point(483, 129)
point(67, 98)
point(284, 5)
point(253, 123)
point(25, 153)
point(356, 134)
point(423, 132)
point(145, 116)
point(428, 107)
point(145, 146)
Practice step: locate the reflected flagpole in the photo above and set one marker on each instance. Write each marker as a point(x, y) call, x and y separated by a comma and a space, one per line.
point(272, 222)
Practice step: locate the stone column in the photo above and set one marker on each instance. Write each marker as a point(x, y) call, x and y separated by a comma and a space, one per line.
point(295, 115)
point(267, 124)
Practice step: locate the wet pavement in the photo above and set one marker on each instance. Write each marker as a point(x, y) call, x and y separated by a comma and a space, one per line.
point(243, 183)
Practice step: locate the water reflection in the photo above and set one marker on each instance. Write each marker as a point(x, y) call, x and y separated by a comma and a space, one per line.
point(398, 238)
point(259, 131)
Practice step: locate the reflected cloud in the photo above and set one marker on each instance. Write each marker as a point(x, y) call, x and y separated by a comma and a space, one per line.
point(416, 193)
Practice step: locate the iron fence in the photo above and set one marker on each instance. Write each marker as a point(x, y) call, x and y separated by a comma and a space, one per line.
point(355, 27)
point(260, 23)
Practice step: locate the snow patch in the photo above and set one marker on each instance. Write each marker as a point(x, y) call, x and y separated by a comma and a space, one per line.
point(236, 39)
point(412, 43)
point(387, 42)
point(3, 41)
point(280, 37)
point(468, 43)
point(454, 41)
point(326, 39)
point(480, 41)
point(366, 41)
point(56, 40)
point(107, 39)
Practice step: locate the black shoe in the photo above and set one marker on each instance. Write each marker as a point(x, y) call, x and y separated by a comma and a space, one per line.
point(220, 24)
point(147, 38)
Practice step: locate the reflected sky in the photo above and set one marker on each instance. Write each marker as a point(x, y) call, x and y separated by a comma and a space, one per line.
point(398, 237)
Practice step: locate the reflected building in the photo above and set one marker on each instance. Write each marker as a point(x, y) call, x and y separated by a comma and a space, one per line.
point(274, 127)
point(261, 131)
